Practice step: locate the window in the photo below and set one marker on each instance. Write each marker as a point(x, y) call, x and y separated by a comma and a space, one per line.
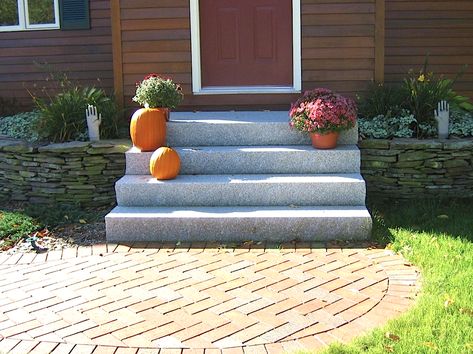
point(19, 15)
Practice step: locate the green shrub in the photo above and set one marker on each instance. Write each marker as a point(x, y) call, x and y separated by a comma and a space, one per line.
point(381, 99)
point(62, 107)
point(21, 126)
point(63, 116)
point(419, 94)
point(423, 92)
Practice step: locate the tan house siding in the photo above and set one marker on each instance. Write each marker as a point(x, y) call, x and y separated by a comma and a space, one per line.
point(338, 44)
point(442, 28)
point(86, 55)
point(345, 44)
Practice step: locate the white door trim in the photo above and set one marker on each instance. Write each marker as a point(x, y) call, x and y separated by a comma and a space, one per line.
point(196, 59)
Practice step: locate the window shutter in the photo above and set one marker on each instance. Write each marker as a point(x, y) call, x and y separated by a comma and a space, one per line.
point(74, 14)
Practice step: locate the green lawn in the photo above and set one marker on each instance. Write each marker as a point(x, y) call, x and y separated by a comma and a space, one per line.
point(437, 237)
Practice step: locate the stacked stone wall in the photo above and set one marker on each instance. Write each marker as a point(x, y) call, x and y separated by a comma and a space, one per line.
point(409, 168)
point(81, 173)
point(85, 173)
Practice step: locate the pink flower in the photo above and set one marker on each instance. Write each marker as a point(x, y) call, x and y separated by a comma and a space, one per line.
point(322, 110)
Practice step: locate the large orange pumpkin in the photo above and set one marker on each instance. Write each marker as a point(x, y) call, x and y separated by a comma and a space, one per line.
point(164, 163)
point(148, 128)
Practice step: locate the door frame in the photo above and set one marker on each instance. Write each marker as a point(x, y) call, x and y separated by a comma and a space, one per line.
point(196, 59)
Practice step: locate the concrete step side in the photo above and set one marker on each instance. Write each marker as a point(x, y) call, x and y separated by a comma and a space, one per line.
point(254, 160)
point(243, 190)
point(238, 224)
point(239, 128)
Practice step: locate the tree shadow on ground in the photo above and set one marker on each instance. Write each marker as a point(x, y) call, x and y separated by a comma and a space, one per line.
point(450, 217)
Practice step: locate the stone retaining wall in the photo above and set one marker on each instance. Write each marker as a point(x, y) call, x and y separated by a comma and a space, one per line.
point(409, 168)
point(68, 173)
point(85, 172)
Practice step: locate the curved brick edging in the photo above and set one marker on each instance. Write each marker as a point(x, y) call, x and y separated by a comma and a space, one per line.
point(410, 168)
point(67, 173)
point(98, 298)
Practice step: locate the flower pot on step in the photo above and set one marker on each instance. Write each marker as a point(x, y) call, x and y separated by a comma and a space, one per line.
point(324, 141)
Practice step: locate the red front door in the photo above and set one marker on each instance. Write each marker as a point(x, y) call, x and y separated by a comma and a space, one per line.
point(246, 43)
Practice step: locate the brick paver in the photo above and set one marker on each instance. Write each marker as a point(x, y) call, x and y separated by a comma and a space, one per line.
point(177, 299)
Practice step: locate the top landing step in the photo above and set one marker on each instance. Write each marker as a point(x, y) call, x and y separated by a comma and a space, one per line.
point(236, 128)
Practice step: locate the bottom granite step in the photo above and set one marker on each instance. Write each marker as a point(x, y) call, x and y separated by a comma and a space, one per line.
point(238, 223)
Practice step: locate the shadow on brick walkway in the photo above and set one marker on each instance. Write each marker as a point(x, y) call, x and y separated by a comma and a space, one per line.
point(150, 298)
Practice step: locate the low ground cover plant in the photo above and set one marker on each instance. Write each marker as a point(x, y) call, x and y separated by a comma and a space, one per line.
point(407, 109)
point(21, 126)
point(14, 226)
point(21, 221)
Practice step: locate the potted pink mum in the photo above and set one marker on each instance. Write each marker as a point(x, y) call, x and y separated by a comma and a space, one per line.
point(323, 114)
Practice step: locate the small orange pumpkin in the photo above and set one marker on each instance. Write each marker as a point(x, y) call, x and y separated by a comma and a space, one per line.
point(148, 128)
point(164, 163)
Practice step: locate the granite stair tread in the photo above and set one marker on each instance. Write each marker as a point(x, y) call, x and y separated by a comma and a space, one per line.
point(244, 176)
point(247, 189)
point(275, 159)
point(238, 223)
point(239, 128)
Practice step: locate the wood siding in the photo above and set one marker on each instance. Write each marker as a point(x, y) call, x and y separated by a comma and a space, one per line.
point(443, 29)
point(339, 39)
point(85, 55)
point(337, 49)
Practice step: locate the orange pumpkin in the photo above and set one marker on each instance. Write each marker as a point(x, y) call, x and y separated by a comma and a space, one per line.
point(148, 128)
point(165, 163)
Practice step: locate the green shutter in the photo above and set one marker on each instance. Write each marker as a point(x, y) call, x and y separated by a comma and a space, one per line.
point(74, 14)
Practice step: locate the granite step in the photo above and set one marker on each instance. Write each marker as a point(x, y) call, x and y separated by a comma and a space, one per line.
point(239, 129)
point(242, 190)
point(224, 224)
point(254, 160)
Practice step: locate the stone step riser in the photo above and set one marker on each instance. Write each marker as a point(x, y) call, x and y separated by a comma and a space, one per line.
point(248, 190)
point(254, 128)
point(238, 224)
point(249, 160)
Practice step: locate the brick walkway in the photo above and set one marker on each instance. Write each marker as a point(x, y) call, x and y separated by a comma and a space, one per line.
point(152, 298)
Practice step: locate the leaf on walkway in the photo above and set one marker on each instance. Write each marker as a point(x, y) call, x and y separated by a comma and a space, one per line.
point(41, 233)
